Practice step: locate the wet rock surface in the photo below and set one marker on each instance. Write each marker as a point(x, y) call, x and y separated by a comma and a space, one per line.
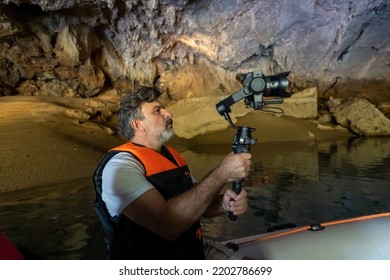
point(192, 50)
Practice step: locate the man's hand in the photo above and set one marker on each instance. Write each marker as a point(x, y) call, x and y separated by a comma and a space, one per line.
point(235, 203)
point(235, 166)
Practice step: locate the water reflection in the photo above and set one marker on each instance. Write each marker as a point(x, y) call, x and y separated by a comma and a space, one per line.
point(307, 183)
point(53, 222)
point(302, 183)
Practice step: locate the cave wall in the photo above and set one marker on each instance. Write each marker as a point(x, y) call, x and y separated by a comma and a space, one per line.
point(193, 48)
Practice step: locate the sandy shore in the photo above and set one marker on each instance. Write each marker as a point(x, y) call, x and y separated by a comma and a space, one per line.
point(41, 146)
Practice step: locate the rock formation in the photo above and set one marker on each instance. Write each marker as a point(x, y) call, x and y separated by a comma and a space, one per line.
point(193, 50)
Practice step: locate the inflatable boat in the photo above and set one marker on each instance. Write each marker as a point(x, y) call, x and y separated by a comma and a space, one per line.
point(361, 238)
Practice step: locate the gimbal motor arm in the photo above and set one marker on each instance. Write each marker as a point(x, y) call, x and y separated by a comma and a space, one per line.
point(223, 107)
point(255, 85)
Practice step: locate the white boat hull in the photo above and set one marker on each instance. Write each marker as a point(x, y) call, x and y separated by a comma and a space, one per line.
point(362, 238)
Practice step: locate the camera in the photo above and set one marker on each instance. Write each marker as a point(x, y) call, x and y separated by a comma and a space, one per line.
point(256, 85)
point(260, 85)
point(274, 85)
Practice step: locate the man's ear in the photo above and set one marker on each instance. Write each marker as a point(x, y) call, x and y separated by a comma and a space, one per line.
point(137, 125)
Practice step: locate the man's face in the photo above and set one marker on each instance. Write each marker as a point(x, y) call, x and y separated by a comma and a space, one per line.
point(157, 121)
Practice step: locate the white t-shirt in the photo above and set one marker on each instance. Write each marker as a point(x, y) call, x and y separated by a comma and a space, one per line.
point(123, 181)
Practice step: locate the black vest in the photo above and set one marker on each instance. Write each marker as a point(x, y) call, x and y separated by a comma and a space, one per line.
point(124, 239)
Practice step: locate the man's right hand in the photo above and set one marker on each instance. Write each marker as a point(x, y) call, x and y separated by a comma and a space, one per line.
point(235, 166)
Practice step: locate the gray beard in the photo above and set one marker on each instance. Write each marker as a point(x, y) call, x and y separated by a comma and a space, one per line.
point(166, 135)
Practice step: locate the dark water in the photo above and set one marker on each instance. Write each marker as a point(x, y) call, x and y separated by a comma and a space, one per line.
point(302, 183)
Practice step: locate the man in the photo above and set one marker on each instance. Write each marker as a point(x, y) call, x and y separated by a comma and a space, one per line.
point(152, 202)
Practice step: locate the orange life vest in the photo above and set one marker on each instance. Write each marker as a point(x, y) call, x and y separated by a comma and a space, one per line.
point(169, 174)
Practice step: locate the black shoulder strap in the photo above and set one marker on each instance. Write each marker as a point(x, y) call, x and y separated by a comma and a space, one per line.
point(97, 176)
point(99, 205)
point(116, 243)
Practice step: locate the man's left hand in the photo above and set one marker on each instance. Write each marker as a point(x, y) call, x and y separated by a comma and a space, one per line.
point(235, 203)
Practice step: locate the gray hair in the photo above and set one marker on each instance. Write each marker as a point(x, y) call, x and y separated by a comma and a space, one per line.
point(130, 108)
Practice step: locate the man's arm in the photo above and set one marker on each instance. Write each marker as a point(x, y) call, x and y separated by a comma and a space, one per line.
point(170, 218)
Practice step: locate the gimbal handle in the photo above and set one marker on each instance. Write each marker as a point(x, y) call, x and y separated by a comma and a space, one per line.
point(241, 144)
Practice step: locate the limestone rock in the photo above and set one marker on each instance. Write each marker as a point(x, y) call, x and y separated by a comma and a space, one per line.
point(82, 48)
point(196, 116)
point(106, 41)
point(301, 105)
point(77, 115)
point(360, 116)
point(95, 126)
point(94, 104)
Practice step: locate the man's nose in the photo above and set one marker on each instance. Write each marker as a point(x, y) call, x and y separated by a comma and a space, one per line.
point(167, 114)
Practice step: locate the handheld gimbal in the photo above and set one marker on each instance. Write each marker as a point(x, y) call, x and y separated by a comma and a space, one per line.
point(256, 85)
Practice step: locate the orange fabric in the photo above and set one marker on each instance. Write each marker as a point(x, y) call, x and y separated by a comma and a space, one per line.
point(152, 160)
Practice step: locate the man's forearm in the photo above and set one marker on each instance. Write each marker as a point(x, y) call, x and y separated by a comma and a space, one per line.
point(201, 199)
point(215, 208)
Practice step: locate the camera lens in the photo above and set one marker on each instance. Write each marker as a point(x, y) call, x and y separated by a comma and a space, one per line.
point(276, 85)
